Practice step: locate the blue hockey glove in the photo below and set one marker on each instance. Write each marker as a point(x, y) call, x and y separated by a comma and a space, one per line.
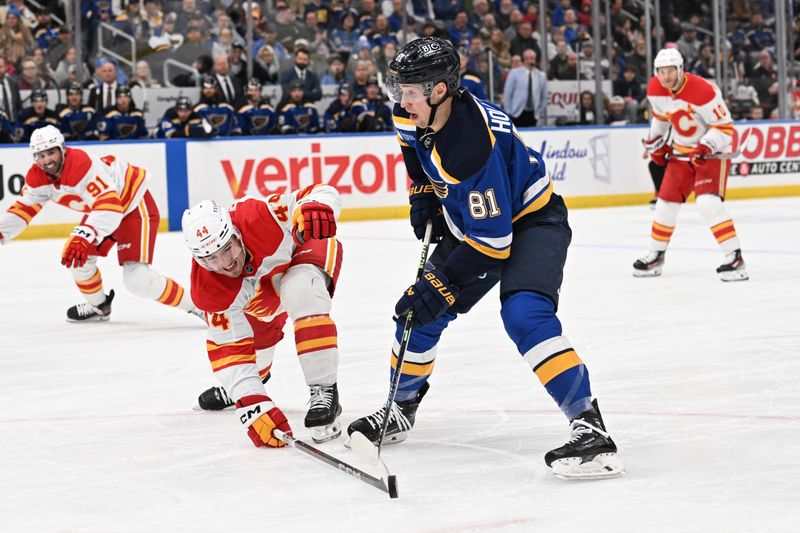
point(428, 298)
point(425, 206)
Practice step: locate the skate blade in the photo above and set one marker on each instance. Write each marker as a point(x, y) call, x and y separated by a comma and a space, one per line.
point(603, 466)
point(736, 275)
point(652, 273)
point(198, 408)
point(93, 319)
point(361, 445)
point(322, 434)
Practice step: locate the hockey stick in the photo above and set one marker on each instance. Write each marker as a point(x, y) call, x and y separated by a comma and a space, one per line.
point(732, 155)
point(387, 483)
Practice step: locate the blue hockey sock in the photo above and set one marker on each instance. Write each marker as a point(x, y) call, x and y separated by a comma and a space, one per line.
point(532, 324)
point(419, 357)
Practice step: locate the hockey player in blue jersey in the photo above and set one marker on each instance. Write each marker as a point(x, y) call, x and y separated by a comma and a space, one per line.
point(77, 118)
point(496, 219)
point(121, 120)
point(217, 116)
point(38, 115)
point(256, 117)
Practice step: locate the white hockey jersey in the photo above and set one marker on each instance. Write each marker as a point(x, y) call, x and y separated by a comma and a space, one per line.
point(696, 112)
point(106, 189)
point(232, 303)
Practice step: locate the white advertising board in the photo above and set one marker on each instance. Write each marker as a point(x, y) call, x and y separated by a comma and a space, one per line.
point(15, 161)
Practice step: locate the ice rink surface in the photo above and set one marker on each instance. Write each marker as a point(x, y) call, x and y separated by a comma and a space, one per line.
point(698, 380)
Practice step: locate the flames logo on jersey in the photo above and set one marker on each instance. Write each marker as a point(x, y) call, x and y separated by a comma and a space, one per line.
point(683, 121)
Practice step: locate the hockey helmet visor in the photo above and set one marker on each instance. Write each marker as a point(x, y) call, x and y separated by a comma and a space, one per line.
point(419, 66)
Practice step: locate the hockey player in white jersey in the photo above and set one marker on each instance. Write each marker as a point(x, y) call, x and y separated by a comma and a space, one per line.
point(690, 128)
point(118, 210)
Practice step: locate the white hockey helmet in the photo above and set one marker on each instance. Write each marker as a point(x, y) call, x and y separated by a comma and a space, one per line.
point(46, 138)
point(668, 57)
point(207, 228)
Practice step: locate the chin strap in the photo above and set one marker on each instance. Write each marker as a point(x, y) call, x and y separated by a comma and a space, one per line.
point(428, 133)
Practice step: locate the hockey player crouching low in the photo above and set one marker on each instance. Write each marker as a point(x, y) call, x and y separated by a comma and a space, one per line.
point(498, 220)
point(118, 210)
point(253, 266)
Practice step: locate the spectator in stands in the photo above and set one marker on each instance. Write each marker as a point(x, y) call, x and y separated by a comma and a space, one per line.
point(395, 18)
point(503, 14)
point(587, 111)
point(187, 14)
point(131, 21)
point(152, 17)
point(16, 39)
point(59, 47)
point(638, 59)
point(297, 115)
point(45, 31)
point(500, 49)
point(380, 35)
point(177, 120)
point(30, 78)
point(223, 43)
point(217, 117)
point(366, 15)
point(302, 73)
point(287, 28)
point(759, 37)
point(524, 40)
point(38, 115)
point(237, 65)
point(764, 78)
point(623, 36)
point(559, 63)
point(361, 75)
point(571, 29)
point(460, 33)
point(265, 65)
point(344, 39)
point(388, 51)
point(446, 9)
point(515, 19)
point(143, 76)
point(10, 101)
point(525, 93)
point(557, 19)
point(409, 33)
point(688, 44)
point(570, 72)
point(256, 116)
point(628, 86)
point(480, 8)
point(470, 79)
point(76, 118)
point(195, 43)
point(703, 65)
point(45, 72)
point(617, 112)
point(587, 62)
point(122, 120)
point(336, 73)
point(316, 36)
point(102, 91)
point(584, 13)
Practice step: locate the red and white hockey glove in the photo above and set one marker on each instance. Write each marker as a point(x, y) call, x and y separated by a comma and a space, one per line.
point(700, 154)
point(313, 220)
point(261, 417)
point(76, 250)
point(658, 149)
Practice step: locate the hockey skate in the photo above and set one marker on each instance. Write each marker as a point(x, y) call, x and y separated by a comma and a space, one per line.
point(733, 268)
point(401, 421)
point(322, 418)
point(216, 399)
point(649, 265)
point(589, 454)
point(86, 312)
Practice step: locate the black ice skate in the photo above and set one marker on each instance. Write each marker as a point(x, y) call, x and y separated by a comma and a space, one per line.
point(401, 420)
point(86, 312)
point(649, 265)
point(323, 413)
point(214, 399)
point(733, 268)
point(589, 454)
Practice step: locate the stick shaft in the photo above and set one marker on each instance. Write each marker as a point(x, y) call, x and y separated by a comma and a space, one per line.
point(401, 352)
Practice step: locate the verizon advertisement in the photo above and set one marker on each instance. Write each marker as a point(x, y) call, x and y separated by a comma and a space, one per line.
point(16, 160)
point(368, 170)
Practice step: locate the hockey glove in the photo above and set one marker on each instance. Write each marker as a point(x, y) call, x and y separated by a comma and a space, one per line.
point(76, 251)
point(428, 298)
point(700, 155)
point(313, 220)
point(425, 206)
point(260, 416)
point(658, 149)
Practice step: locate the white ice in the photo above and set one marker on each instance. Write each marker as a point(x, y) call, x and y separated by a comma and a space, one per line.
point(698, 380)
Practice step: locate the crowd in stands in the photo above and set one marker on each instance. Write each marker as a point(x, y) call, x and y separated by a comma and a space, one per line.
point(303, 45)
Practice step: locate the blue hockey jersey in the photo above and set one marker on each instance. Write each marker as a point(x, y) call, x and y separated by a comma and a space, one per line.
point(481, 170)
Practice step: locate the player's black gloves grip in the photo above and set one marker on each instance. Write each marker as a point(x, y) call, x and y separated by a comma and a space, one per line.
point(425, 206)
point(428, 298)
